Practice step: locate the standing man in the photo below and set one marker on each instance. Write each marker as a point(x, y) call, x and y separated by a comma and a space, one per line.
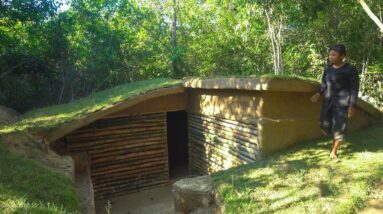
point(340, 86)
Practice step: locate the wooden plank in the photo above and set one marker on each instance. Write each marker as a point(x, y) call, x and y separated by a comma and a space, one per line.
point(117, 144)
point(138, 148)
point(217, 143)
point(226, 149)
point(223, 161)
point(217, 156)
point(128, 174)
point(118, 122)
point(121, 157)
point(121, 125)
point(96, 128)
point(129, 167)
point(124, 120)
point(232, 133)
point(247, 142)
point(223, 128)
point(218, 120)
point(136, 172)
point(225, 155)
point(119, 163)
point(217, 140)
point(204, 166)
point(118, 131)
point(121, 167)
point(126, 153)
point(129, 147)
point(113, 137)
point(206, 161)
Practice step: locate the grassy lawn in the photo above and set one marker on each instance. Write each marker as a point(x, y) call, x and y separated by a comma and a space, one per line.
point(53, 116)
point(304, 180)
point(28, 187)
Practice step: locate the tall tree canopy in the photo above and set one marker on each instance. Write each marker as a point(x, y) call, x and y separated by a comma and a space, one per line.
point(49, 56)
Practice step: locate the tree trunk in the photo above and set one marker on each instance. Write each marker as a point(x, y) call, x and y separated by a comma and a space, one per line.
point(371, 15)
point(174, 40)
point(63, 78)
point(364, 73)
point(275, 34)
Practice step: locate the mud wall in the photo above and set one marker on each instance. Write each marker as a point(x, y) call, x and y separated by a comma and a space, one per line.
point(282, 118)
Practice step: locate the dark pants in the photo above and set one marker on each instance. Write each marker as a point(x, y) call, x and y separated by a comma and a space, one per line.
point(333, 120)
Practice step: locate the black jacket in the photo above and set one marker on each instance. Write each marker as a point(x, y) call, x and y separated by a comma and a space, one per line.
point(340, 86)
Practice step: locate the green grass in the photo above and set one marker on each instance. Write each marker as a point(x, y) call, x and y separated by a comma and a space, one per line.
point(28, 187)
point(53, 116)
point(267, 75)
point(304, 180)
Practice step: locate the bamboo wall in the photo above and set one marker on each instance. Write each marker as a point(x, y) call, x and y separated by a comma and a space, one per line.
point(216, 143)
point(127, 153)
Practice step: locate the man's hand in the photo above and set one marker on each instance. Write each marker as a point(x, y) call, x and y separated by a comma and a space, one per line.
point(351, 111)
point(315, 98)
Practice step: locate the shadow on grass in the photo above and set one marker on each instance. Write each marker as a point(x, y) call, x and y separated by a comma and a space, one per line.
point(28, 187)
point(305, 173)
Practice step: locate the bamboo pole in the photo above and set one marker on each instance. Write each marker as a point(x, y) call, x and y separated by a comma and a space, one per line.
point(218, 141)
point(223, 137)
point(113, 145)
point(122, 157)
point(229, 134)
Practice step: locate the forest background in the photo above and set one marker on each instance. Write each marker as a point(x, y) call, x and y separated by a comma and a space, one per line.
point(53, 52)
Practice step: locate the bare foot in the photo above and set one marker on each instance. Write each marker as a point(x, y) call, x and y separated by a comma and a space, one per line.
point(332, 156)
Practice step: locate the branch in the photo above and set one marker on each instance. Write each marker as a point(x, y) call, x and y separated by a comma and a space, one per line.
point(371, 15)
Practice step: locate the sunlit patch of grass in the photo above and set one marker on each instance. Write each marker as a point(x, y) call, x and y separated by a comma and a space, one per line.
point(28, 187)
point(53, 116)
point(304, 180)
point(21, 205)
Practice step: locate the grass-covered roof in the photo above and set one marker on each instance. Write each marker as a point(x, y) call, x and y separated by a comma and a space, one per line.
point(54, 116)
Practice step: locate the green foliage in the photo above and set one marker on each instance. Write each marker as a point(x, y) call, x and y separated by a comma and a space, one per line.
point(304, 180)
point(27, 10)
point(372, 89)
point(28, 187)
point(49, 57)
point(53, 116)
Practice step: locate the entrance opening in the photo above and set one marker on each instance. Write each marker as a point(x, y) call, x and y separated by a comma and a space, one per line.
point(177, 134)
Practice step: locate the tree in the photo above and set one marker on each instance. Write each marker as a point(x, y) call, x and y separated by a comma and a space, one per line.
point(48, 57)
point(275, 25)
point(371, 15)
